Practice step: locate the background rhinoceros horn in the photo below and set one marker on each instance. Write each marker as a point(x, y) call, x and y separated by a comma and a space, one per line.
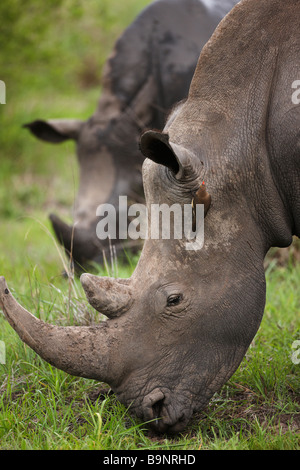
point(80, 243)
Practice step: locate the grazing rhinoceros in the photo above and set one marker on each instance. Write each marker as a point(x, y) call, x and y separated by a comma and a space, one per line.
point(149, 70)
point(180, 326)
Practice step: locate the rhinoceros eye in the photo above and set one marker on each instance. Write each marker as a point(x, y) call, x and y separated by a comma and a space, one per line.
point(174, 300)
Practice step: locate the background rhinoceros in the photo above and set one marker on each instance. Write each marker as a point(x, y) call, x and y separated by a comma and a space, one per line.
point(149, 70)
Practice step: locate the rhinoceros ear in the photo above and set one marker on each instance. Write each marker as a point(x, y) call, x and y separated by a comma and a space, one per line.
point(55, 130)
point(156, 146)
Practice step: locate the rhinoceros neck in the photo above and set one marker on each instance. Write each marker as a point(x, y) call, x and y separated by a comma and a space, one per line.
point(234, 161)
point(237, 107)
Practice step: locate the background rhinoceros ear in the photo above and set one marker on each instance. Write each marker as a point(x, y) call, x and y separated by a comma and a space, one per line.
point(55, 130)
point(156, 146)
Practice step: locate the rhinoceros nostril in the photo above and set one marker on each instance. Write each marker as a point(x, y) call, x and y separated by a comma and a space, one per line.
point(152, 405)
point(157, 410)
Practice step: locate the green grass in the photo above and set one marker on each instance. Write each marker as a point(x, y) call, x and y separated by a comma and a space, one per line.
point(44, 408)
point(51, 61)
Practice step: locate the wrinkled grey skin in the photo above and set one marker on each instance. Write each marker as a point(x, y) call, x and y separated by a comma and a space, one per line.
point(149, 71)
point(180, 326)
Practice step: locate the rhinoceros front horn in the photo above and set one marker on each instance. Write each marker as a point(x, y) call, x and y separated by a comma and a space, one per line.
point(78, 350)
point(109, 296)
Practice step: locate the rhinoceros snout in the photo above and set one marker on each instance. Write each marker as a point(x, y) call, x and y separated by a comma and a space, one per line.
point(163, 415)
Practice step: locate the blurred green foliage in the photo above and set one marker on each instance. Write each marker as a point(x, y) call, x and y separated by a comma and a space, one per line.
point(51, 56)
point(57, 37)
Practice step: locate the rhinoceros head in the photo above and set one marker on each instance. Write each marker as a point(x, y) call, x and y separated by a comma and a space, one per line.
point(109, 165)
point(179, 327)
point(186, 317)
